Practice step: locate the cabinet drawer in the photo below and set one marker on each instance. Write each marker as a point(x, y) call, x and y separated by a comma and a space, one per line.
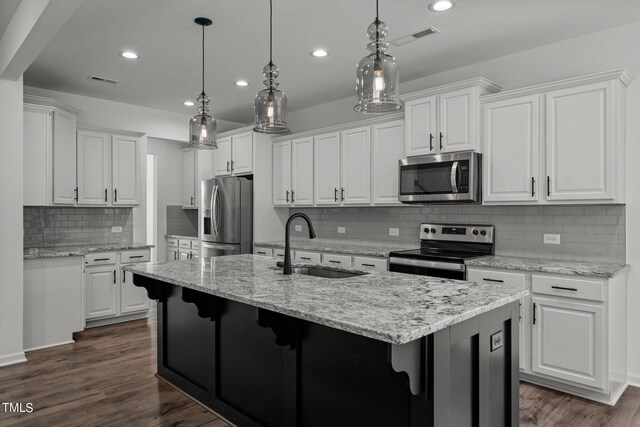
point(573, 288)
point(172, 241)
point(195, 244)
point(336, 260)
point(184, 244)
point(260, 250)
point(310, 257)
point(143, 255)
point(516, 280)
point(370, 263)
point(104, 258)
point(279, 253)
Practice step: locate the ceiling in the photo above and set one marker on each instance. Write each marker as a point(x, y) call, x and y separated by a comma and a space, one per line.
point(7, 9)
point(168, 71)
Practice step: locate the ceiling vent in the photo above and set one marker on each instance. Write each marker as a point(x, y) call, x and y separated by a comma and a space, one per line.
point(103, 80)
point(414, 36)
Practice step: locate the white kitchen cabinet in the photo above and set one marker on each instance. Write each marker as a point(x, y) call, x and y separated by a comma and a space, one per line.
point(567, 341)
point(336, 260)
point(172, 248)
point(355, 186)
point(64, 158)
point(101, 291)
point(302, 172)
point(386, 152)
point(125, 156)
point(234, 155)
point(446, 118)
point(94, 168)
point(281, 177)
point(261, 250)
point(371, 263)
point(512, 149)
point(133, 299)
point(307, 257)
point(196, 166)
point(326, 169)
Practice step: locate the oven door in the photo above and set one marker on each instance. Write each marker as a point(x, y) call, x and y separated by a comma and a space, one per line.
point(445, 270)
point(440, 178)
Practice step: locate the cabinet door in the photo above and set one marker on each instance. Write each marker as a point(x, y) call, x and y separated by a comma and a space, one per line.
point(281, 173)
point(457, 129)
point(302, 172)
point(511, 150)
point(580, 143)
point(64, 158)
point(388, 149)
point(133, 299)
point(172, 254)
point(223, 157)
point(242, 154)
point(420, 126)
point(567, 341)
point(356, 166)
point(94, 168)
point(183, 254)
point(101, 292)
point(326, 169)
point(125, 170)
point(188, 179)
point(37, 136)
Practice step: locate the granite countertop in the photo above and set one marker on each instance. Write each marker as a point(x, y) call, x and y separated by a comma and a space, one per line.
point(574, 268)
point(178, 236)
point(377, 249)
point(391, 307)
point(80, 250)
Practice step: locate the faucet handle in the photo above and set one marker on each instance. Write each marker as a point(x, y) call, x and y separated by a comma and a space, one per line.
point(280, 264)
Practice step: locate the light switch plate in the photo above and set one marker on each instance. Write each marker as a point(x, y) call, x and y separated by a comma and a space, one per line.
point(496, 341)
point(116, 229)
point(341, 230)
point(551, 239)
point(394, 232)
point(298, 228)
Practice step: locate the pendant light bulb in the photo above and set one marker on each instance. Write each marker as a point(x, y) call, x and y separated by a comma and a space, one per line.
point(270, 106)
point(202, 127)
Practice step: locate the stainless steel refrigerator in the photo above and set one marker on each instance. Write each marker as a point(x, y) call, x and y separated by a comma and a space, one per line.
point(226, 216)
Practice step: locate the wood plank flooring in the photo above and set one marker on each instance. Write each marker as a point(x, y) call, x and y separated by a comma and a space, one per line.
point(107, 378)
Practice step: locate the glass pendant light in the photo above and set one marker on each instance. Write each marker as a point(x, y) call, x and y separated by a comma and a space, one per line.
point(377, 75)
point(271, 104)
point(202, 127)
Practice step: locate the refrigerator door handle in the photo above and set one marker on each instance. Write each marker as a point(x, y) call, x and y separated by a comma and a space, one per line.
point(214, 191)
point(218, 246)
point(216, 212)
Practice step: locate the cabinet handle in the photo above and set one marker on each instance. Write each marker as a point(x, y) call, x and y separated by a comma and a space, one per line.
point(534, 313)
point(441, 136)
point(292, 196)
point(228, 167)
point(305, 258)
point(533, 187)
point(492, 280)
point(191, 200)
point(136, 256)
point(342, 194)
point(115, 195)
point(124, 276)
point(335, 194)
point(287, 196)
point(368, 265)
point(114, 277)
point(105, 194)
point(261, 253)
point(430, 142)
point(76, 191)
point(548, 186)
point(231, 165)
point(562, 288)
point(101, 259)
point(334, 261)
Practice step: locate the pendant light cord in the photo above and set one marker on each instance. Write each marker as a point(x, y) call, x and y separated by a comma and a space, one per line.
point(377, 32)
point(203, 59)
point(270, 32)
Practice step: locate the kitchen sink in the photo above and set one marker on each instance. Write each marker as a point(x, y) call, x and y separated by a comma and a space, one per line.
point(325, 272)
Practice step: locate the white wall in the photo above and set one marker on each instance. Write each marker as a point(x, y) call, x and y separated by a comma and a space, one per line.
point(606, 50)
point(169, 183)
point(11, 289)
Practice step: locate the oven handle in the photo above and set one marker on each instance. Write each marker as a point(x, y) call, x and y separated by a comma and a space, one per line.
point(454, 177)
point(428, 264)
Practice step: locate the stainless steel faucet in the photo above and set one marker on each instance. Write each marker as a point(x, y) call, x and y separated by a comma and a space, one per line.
point(287, 246)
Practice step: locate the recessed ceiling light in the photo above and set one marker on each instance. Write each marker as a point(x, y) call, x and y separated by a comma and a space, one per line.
point(441, 5)
point(189, 103)
point(319, 53)
point(129, 54)
point(241, 83)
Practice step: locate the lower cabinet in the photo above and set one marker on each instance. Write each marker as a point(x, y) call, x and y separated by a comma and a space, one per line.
point(326, 258)
point(101, 291)
point(182, 248)
point(133, 299)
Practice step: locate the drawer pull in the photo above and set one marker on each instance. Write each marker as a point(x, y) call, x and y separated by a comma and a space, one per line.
point(304, 257)
point(261, 253)
point(534, 313)
point(101, 259)
point(368, 265)
point(493, 280)
point(279, 254)
point(564, 289)
point(136, 256)
point(335, 262)
point(114, 277)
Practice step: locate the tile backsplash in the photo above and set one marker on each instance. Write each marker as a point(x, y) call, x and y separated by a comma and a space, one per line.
point(593, 232)
point(182, 222)
point(68, 226)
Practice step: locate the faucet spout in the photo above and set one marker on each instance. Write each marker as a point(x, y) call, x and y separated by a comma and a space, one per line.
point(287, 245)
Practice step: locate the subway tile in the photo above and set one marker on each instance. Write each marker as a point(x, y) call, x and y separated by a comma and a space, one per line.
point(562, 219)
point(573, 210)
point(573, 228)
point(585, 238)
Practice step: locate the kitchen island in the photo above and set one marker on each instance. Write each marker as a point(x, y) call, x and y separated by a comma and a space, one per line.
point(378, 349)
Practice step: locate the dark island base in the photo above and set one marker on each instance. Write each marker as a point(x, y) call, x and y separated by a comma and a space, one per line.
point(259, 368)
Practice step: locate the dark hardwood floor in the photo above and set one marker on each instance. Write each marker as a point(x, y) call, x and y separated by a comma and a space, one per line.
point(107, 378)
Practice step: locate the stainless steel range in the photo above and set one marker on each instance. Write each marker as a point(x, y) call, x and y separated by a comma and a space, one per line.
point(444, 249)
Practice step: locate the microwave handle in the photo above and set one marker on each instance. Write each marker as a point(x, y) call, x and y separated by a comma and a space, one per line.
point(454, 177)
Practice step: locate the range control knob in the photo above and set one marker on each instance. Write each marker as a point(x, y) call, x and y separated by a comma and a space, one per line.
point(475, 232)
point(483, 233)
point(426, 230)
point(433, 230)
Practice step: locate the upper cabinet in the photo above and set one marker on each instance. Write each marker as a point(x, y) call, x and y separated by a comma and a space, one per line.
point(386, 151)
point(234, 155)
point(125, 157)
point(293, 172)
point(49, 152)
point(196, 166)
point(557, 143)
point(446, 118)
point(326, 162)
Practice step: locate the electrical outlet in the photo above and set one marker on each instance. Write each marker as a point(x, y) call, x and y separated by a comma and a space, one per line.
point(341, 230)
point(298, 228)
point(116, 229)
point(551, 239)
point(394, 232)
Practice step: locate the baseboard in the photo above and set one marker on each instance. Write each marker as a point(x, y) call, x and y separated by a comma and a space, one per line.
point(116, 319)
point(12, 359)
point(49, 345)
point(608, 399)
point(633, 380)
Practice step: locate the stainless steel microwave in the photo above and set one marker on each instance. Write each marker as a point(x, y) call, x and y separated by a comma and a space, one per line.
point(441, 178)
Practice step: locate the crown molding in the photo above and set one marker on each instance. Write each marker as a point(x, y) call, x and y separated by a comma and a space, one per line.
point(485, 85)
point(232, 132)
point(94, 128)
point(623, 75)
point(48, 102)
